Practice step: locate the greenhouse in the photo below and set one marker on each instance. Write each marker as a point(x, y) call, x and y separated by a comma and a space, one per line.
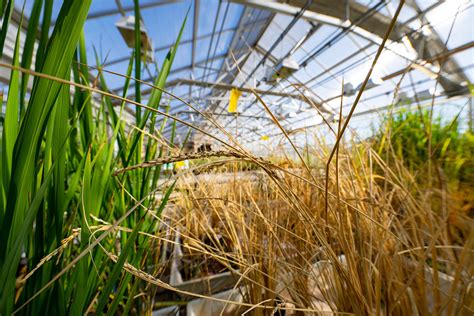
point(237, 157)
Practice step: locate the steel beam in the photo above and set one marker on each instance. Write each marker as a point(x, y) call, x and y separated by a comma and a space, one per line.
point(433, 59)
point(237, 39)
point(170, 45)
point(176, 70)
point(327, 12)
point(335, 13)
point(428, 47)
point(224, 86)
point(173, 71)
point(195, 31)
point(194, 43)
point(445, 78)
point(400, 72)
point(367, 112)
point(109, 12)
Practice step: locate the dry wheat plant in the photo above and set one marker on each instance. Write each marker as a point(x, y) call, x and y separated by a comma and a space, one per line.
point(93, 221)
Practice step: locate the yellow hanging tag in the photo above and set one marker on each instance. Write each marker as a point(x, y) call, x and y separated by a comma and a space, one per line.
point(265, 137)
point(180, 164)
point(234, 99)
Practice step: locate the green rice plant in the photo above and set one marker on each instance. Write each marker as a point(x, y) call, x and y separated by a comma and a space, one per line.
point(28, 142)
point(57, 189)
point(415, 139)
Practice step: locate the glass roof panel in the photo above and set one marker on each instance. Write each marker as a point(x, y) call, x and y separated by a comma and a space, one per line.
point(453, 26)
point(327, 58)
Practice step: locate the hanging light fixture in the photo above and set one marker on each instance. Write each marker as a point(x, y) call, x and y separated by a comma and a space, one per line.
point(402, 97)
point(292, 114)
point(126, 27)
point(283, 70)
point(425, 94)
point(372, 83)
point(348, 89)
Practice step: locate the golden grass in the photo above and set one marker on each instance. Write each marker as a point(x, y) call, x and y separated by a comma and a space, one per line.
point(390, 245)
